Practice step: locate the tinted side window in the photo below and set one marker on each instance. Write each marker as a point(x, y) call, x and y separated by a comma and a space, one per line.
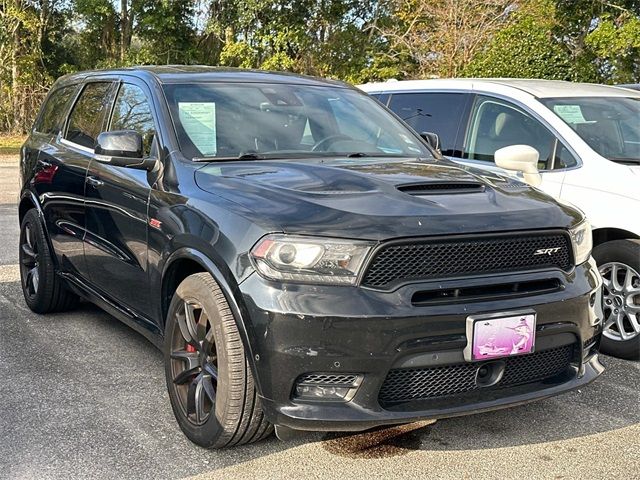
point(383, 98)
point(432, 112)
point(53, 111)
point(89, 114)
point(496, 124)
point(133, 112)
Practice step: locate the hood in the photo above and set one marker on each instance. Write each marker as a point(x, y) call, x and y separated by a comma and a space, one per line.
point(379, 199)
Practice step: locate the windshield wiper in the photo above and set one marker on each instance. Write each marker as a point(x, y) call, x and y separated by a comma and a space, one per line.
point(625, 160)
point(244, 156)
point(371, 154)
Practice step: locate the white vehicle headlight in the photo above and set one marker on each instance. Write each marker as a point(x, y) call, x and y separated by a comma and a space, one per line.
point(582, 241)
point(309, 259)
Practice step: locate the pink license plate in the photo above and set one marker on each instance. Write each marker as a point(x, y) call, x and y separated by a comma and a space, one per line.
point(495, 337)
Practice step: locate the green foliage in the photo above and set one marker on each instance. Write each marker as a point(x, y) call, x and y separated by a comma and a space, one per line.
point(238, 54)
point(331, 38)
point(525, 49)
point(615, 43)
point(353, 40)
point(602, 38)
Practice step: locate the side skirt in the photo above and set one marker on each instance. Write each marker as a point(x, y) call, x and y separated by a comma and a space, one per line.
point(140, 324)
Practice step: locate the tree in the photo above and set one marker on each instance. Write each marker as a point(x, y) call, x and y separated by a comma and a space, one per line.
point(525, 49)
point(602, 38)
point(440, 37)
point(23, 80)
point(334, 38)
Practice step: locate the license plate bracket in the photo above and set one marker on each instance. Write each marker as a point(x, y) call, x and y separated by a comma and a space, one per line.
point(499, 335)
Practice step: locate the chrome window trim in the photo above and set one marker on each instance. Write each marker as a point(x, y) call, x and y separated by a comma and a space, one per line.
point(77, 146)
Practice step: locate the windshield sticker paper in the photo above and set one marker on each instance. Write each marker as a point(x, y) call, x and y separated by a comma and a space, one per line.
point(199, 121)
point(569, 113)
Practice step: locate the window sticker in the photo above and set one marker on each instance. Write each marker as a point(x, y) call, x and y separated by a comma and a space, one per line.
point(569, 113)
point(199, 122)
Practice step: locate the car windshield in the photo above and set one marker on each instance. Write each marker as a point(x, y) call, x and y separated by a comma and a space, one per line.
point(610, 125)
point(218, 121)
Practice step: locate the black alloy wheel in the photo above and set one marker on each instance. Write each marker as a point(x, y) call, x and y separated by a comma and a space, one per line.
point(43, 290)
point(211, 386)
point(29, 261)
point(194, 366)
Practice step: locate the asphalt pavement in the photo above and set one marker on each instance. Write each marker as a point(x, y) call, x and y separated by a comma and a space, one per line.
point(83, 396)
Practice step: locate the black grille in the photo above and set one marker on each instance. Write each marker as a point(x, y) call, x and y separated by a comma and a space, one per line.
point(327, 379)
point(398, 263)
point(402, 385)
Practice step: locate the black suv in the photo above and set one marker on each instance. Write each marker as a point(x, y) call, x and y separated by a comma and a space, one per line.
point(302, 257)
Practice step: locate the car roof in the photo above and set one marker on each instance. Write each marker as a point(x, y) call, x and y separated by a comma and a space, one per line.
point(204, 74)
point(536, 88)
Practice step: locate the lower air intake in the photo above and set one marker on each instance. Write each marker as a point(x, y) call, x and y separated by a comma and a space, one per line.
point(403, 385)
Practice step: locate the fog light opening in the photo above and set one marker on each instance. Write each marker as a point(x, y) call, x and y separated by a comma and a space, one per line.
point(327, 387)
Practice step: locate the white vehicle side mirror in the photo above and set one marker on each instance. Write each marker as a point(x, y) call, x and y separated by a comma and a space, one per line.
point(520, 158)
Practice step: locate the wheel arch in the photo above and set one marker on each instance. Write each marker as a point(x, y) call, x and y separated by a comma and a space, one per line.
point(186, 261)
point(29, 201)
point(603, 235)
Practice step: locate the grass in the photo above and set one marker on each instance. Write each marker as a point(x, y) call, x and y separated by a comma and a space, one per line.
point(10, 144)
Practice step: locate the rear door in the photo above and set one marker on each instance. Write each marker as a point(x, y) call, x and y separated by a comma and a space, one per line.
point(117, 204)
point(62, 165)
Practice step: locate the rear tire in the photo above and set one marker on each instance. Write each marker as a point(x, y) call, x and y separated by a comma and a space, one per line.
point(43, 290)
point(620, 260)
point(211, 387)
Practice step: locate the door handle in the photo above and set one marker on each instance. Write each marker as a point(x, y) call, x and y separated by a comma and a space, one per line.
point(94, 182)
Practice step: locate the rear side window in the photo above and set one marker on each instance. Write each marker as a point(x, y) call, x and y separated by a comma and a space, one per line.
point(54, 110)
point(88, 116)
point(439, 113)
point(132, 111)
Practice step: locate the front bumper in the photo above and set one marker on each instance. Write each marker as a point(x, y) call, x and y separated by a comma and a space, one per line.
point(299, 329)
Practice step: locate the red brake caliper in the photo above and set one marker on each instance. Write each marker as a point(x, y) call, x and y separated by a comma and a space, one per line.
point(191, 349)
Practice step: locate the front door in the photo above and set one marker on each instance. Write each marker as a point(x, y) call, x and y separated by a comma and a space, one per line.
point(496, 123)
point(116, 210)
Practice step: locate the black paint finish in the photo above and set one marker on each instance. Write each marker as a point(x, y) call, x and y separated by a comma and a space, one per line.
point(121, 237)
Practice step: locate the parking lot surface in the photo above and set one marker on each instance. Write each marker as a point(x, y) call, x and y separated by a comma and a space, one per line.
point(81, 395)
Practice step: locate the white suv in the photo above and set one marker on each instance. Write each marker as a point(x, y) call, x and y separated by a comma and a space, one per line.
point(587, 141)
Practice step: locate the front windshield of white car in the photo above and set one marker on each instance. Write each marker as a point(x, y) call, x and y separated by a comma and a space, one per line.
point(610, 125)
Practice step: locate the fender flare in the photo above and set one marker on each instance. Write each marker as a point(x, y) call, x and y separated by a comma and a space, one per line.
point(35, 201)
point(229, 289)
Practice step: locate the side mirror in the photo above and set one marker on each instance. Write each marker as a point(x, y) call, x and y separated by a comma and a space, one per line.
point(122, 148)
point(520, 158)
point(432, 139)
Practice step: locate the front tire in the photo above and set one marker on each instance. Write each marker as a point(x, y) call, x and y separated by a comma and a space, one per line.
point(211, 387)
point(43, 290)
point(619, 265)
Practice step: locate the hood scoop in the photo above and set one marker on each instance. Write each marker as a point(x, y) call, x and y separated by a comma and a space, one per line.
point(441, 188)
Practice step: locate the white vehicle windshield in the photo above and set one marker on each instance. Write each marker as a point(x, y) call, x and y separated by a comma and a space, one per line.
point(610, 125)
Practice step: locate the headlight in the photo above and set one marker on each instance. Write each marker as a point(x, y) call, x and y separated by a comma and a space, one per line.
point(308, 259)
point(582, 241)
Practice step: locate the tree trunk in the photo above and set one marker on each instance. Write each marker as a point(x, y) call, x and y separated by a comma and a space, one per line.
point(16, 90)
point(124, 29)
